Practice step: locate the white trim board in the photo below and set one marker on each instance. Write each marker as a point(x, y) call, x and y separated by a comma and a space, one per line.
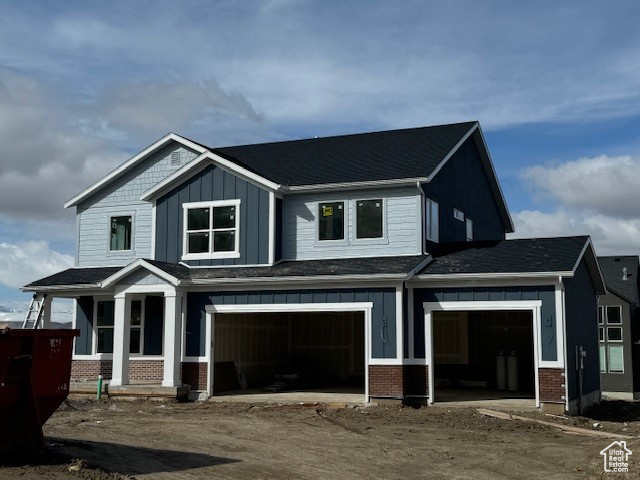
point(534, 306)
point(212, 310)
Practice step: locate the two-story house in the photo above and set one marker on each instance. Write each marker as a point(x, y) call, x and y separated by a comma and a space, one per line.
point(618, 317)
point(376, 260)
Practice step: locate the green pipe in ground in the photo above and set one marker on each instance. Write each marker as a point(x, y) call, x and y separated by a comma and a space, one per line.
point(99, 392)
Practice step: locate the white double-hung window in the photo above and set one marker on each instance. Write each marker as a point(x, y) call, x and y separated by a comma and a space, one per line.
point(211, 230)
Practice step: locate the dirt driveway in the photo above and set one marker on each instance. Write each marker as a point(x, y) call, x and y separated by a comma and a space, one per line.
point(204, 440)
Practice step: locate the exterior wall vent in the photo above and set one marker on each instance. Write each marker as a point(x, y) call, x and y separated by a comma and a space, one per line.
point(175, 158)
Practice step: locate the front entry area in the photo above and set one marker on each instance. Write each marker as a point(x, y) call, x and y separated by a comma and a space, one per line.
point(483, 355)
point(306, 355)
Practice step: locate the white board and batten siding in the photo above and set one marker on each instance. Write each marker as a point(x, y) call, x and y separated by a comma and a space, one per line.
point(122, 197)
point(402, 217)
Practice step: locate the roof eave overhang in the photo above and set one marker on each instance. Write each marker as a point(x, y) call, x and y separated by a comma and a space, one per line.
point(397, 182)
point(79, 198)
point(136, 265)
point(434, 278)
point(59, 288)
point(392, 277)
point(588, 252)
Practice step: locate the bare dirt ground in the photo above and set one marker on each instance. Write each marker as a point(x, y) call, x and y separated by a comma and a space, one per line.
point(146, 440)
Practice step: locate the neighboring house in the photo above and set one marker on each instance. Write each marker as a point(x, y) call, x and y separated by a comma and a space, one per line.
point(377, 260)
point(618, 312)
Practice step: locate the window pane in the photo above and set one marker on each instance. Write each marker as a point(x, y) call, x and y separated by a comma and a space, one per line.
point(105, 340)
point(601, 333)
point(369, 218)
point(616, 359)
point(105, 314)
point(224, 217)
point(198, 219)
point(224, 241)
point(331, 221)
point(134, 340)
point(600, 314)
point(614, 334)
point(136, 312)
point(432, 221)
point(198, 242)
point(613, 315)
point(469, 224)
point(120, 233)
point(603, 359)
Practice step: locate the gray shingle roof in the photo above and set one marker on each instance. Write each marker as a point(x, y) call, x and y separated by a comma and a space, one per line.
point(346, 266)
point(531, 255)
point(611, 268)
point(391, 154)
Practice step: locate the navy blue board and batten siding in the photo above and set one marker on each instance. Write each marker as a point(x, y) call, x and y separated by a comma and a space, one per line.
point(383, 321)
point(214, 183)
point(582, 330)
point(494, 294)
point(84, 323)
point(463, 183)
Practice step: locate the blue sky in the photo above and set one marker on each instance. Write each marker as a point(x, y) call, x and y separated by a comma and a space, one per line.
point(85, 85)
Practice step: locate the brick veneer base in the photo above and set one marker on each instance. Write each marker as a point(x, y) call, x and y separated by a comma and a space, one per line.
point(386, 381)
point(552, 383)
point(88, 370)
point(195, 375)
point(140, 370)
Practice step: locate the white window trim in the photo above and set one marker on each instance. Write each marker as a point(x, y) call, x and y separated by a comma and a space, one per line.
point(141, 299)
point(368, 241)
point(133, 223)
point(458, 214)
point(345, 207)
point(94, 348)
point(435, 232)
point(534, 306)
point(617, 372)
point(615, 325)
point(364, 307)
point(210, 255)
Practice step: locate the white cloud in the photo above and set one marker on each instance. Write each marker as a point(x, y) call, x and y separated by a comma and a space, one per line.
point(603, 184)
point(22, 263)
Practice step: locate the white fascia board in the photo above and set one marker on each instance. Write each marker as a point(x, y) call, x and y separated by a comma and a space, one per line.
point(129, 164)
point(397, 182)
point(109, 281)
point(491, 276)
point(201, 162)
point(60, 288)
point(295, 279)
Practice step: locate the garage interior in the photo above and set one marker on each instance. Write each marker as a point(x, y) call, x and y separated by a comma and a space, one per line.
point(483, 355)
point(288, 352)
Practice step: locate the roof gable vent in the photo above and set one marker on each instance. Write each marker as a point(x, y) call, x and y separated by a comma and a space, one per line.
point(175, 158)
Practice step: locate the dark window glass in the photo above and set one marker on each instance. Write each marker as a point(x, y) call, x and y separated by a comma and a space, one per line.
point(134, 340)
point(105, 340)
point(601, 334)
point(198, 219)
point(105, 314)
point(600, 314)
point(614, 334)
point(224, 217)
point(120, 233)
point(331, 221)
point(198, 242)
point(224, 241)
point(369, 218)
point(613, 315)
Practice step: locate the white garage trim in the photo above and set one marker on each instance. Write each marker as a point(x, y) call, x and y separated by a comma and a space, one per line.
point(364, 307)
point(532, 305)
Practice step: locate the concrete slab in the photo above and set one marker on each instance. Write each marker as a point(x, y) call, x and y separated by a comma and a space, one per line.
point(346, 397)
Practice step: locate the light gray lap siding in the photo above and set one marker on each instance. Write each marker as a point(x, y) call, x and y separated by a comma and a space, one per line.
point(403, 223)
point(122, 197)
point(214, 183)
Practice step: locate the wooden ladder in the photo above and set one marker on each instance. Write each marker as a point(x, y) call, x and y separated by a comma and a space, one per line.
point(34, 314)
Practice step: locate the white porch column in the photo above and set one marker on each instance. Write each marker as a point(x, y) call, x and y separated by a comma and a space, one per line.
point(121, 331)
point(45, 321)
point(172, 338)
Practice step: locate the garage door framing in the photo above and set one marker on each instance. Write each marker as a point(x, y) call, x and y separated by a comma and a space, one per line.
point(534, 306)
point(212, 310)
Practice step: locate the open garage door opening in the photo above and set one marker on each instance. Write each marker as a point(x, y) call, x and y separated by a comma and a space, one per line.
point(483, 355)
point(261, 353)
